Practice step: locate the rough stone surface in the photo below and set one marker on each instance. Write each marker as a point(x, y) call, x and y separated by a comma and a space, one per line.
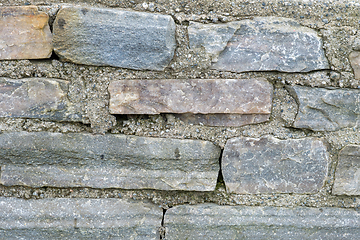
point(42, 98)
point(241, 96)
point(24, 33)
point(210, 221)
point(109, 37)
point(270, 165)
point(354, 58)
point(109, 161)
point(78, 218)
point(261, 44)
point(347, 175)
point(323, 109)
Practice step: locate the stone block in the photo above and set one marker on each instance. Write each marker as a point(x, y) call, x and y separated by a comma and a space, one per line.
point(347, 175)
point(354, 58)
point(322, 109)
point(24, 33)
point(107, 161)
point(271, 165)
point(112, 37)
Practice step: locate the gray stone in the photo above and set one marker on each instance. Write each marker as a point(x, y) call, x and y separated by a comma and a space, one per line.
point(107, 161)
point(322, 109)
point(112, 37)
point(42, 98)
point(271, 165)
point(240, 96)
point(78, 219)
point(347, 175)
point(354, 58)
point(210, 221)
point(261, 44)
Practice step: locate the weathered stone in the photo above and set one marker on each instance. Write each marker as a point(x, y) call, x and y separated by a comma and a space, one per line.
point(78, 219)
point(210, 221)
point(270, 165)
point(322, 109)
point(42, 98)
point(107, 161)
point(241, 96)
point(24, 33)
point(261, 44)
point(354, 58)
point(111, 37)
point(347, 175)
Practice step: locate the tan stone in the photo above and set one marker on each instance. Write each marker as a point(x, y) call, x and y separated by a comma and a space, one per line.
point(24, 33)
point(354, 58)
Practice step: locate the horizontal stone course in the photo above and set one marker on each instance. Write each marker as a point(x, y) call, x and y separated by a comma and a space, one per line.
point(107, 161)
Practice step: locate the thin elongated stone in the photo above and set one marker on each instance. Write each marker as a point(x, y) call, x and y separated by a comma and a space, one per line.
point(42, 98)
point(111, 37)
point(210, 221)
point(322, 109)
point(24, 33)
point(270, 165)
point(61, 218)
point(233, 96)
point(347, 175)
point(107, 161)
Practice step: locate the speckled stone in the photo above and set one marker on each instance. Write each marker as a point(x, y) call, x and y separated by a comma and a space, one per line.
point(112, 37)
point(271, 165)
point(347, 175)
point(24, 33)
point(78, 219)
point(41, 98)
point(210, 221)
point(107, 161)
point(322, 109)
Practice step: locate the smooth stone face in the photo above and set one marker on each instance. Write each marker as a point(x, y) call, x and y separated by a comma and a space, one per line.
point(347, 175)
point(210, 221)
point(240, 96)
point(354, 58)
point(24, 33)
point(107, 161)
point(78, 218)
point(323, 109)
point(42, 98)
point(270, 165)
point(264, 44)
point(111, 37)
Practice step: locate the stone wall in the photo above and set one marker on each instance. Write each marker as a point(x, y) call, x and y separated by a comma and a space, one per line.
point(179, 120)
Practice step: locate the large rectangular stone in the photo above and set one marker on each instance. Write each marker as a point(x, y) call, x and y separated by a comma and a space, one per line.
point(112, 37)
point(347, 175)
point(210, 221)
point(41, 98)
point(322, 109)
point(24, 33)
point(107, 161)
point(271, 165)
point(63, 218)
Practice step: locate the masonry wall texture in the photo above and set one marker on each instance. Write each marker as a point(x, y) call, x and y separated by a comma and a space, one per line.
point(179, 120)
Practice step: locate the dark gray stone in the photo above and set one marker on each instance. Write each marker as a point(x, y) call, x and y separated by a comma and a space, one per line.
point(347, 175)
point(210, 221)
point(322, 109)
point(107, 161)
point(271, 165)
point(63, 218)
point(112, 37)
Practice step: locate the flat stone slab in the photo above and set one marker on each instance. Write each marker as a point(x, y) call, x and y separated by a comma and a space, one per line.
point(78, 218)
point(271, 165)
point(235, 96)
point(112, 37)
point(24, 33)
point(107, 161)
point(41, 98)
point(210, 221)
point(347, 175)
point(322, 109)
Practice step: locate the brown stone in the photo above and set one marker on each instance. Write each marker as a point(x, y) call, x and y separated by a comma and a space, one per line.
point(24, 33)
point(203, 96)
point(354, 58)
